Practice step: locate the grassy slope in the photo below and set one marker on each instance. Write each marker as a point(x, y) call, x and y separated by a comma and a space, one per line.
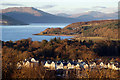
point(102, 28)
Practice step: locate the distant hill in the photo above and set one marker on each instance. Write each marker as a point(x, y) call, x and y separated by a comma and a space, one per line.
point(6, 20)
point(92, 15)
point(32, 15)
point(63, 15)
point(101, 28)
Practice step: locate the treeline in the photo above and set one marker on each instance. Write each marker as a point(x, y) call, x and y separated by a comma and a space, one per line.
point(55, 49)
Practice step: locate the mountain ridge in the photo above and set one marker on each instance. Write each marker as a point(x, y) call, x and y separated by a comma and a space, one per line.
point(95, 14)
point(32, 15)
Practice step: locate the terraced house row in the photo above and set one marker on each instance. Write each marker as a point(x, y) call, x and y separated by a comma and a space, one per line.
point(77, 64)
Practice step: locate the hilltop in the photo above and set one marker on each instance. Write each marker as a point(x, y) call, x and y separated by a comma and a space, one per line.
point(101, 28)
point(33, 15)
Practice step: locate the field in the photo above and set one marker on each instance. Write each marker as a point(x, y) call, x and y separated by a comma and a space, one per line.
point(94, 38)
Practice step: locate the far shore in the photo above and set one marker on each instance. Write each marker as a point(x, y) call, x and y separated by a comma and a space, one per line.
point(55, 35)
point(77, 37)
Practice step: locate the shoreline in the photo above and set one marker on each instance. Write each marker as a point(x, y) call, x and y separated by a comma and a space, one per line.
point(77, 37)
point(55, 35)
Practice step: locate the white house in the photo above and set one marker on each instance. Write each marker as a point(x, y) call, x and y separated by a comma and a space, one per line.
point(101, 64)
point(69, 66)
point(80, 60)
point(52, 65)
point(114, 67)
point(72, 66)
point(85, 66)
point(105, 66)
point(19, 65)
point(47, 65)
point(109, 66)
point(118, 68)
point(25, 59)
point(60, 66)
point(27, 64)
point(23, 63)
point(37, 61)
point(77, 66)
point(33, 60)
point(93, 65)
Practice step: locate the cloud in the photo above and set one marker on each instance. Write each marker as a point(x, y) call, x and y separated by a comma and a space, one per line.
point(69, 11)
point(102, 7)
point(83, 10)
point(10, 4)
point(78, 10)
point(110, 10)
point(47, 6)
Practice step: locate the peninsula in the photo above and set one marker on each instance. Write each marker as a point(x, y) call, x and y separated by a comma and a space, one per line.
point(101, 28)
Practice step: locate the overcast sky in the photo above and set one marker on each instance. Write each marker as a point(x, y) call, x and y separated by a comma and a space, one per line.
point(64, 6)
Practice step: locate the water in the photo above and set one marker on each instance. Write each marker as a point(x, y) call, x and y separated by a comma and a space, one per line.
point(16, 32)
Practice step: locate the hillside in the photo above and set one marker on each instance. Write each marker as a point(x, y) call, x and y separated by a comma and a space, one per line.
point(32, 15)
point(101, 28)
point(91, 15)
point(6, 20)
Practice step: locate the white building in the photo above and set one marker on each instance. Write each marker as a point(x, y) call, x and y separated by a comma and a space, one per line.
point(72, 66)
point(33, 60)
point(101, 64)
point(85, 66)
point(69, 66)
point(114, 67)
point(60, 66)
point(19, 65)
point(80, 60)
point(77, 66)
point(52, 65)
point(47, 65)
point(27, 64)
point(109, 66)
point(93, 65)
point(25, 59)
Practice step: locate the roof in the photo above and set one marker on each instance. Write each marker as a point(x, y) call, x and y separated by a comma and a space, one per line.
point(65, 64)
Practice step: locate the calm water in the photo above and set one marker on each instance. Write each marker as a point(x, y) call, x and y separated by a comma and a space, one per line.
point(25, 31)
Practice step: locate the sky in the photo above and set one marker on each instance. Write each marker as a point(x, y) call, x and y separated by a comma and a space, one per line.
point(64, 6)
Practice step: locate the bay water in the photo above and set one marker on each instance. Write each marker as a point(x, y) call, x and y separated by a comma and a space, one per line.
point(17, 32)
